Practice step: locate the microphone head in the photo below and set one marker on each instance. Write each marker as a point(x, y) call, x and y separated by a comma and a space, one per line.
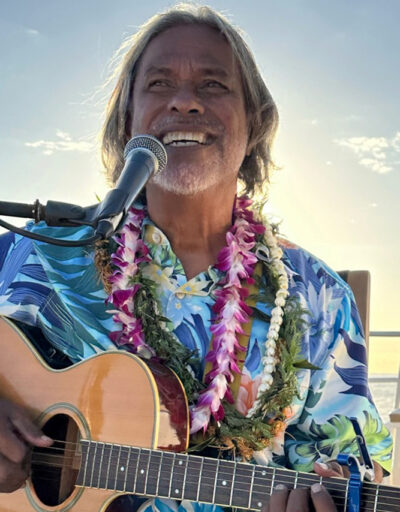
point(151, 144)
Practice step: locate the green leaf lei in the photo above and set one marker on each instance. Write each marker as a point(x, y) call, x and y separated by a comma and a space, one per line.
point(242, 434)
point(235, 431)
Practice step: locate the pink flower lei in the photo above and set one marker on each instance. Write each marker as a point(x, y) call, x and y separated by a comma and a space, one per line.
point(237, 261)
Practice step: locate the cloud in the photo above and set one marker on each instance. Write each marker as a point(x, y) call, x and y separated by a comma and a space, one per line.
point(376, 153)
point(64, 143)
point(32, 32)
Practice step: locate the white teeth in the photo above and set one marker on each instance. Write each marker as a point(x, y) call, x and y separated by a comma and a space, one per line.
point(184, 143)
point(184, 138)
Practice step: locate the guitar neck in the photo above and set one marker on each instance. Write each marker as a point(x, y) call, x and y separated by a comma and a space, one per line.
point(226, 483)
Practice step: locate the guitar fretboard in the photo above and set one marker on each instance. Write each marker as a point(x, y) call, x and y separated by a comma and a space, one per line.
point(226, 483)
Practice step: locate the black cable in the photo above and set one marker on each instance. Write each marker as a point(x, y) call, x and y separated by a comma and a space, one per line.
point(54, 241)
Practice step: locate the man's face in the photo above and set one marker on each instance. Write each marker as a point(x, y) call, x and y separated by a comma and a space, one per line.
point(188, 93)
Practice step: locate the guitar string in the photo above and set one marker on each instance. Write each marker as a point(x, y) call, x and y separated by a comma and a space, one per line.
point(154, 455)
point(280, 479)
point(383, 492)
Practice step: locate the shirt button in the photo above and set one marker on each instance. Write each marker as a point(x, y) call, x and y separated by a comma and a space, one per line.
point(156, 237)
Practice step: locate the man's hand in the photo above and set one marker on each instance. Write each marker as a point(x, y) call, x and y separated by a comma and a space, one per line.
point(17, 435)
point(298, 500)
point(333, 468)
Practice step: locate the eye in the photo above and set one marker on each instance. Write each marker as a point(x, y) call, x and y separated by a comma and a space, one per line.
point(214, 84)
point(158, 83)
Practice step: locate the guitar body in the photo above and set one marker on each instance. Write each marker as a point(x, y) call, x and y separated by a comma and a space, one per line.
point(113, 397)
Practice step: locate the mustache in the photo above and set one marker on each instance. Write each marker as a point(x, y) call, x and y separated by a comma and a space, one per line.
point(210, 125)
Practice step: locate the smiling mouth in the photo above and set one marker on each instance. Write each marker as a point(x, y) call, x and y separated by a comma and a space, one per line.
point(181, 139)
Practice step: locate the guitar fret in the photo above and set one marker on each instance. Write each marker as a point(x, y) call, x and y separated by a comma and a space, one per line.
point(184, 476)
point(97, 464)
point(136, 470)
point(295, 480)
point(192, 478)
point(180, 462)
point(251, 486)
point(141, 476)
point(152, 480)
point(86, 463)
point(241, 493)
point(159, 474)
point(147, 473)
point(347, 493)
point(166, 466)
point(103, 473)
point(200, 479)
point(376, 497)
point(117, 468)
point(207, 489)
point(122, 469)
point(131, 466)
point(90, 461)
point(262, 482)
point(273, 481)
point(93, 465)
point(215, 481)
point(172, 474)
point(100, 465)
point(224, 483)
point(81, 475)
point(233, 484)
point(106, 485)
point(112, 467)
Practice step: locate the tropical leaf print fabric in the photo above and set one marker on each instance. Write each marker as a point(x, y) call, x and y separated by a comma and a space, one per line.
point(58, 290)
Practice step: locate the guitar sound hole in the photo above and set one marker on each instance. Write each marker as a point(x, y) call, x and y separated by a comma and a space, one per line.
point(55, 469)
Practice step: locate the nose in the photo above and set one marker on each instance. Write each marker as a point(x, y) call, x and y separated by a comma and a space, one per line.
point(185, 101)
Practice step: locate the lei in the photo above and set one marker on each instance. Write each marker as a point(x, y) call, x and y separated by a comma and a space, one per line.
point(144, 332)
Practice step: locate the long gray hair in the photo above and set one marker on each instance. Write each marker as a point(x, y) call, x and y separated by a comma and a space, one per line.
point(261, 110)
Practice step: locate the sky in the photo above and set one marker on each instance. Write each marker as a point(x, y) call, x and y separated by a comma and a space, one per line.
point(332, 68)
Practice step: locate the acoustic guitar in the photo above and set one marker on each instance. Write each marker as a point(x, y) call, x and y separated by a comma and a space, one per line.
point(119, 425)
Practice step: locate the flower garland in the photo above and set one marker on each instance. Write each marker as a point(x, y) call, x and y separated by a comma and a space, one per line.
point(132, 294)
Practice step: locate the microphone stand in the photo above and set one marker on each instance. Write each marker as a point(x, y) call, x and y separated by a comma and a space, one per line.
point(104, 221)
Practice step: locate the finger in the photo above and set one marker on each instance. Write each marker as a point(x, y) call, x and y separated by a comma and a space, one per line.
point(17, 429)
point(298, 501)
point(11, 446)
point(328, 469)
point(12, 476)
point(29, 431)
point(321, 499)
point(278, 499)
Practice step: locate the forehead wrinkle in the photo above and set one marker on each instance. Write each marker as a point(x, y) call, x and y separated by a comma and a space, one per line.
point(206, 65)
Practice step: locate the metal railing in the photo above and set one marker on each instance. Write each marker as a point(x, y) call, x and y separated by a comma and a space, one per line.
point(395, 427)
point(389, 379)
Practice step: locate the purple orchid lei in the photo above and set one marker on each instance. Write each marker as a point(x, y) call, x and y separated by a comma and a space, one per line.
point(237, 261)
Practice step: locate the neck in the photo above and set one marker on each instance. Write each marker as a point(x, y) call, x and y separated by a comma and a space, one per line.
point(195, 225)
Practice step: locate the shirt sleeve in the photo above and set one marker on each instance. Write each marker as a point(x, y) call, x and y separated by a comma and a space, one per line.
point(24, 286)
point(334, 342)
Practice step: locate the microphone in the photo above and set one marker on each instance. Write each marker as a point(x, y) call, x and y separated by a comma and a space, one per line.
point(144, 156)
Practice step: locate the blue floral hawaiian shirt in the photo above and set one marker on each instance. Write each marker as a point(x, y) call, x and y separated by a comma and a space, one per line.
point(58, 289)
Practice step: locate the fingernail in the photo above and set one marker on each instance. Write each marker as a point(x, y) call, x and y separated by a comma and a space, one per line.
point(45, 438)
point(316, 488)
point(279, 487)
point(323, 465)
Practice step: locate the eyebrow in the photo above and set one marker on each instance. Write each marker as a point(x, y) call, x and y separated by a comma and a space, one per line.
point(216, 71)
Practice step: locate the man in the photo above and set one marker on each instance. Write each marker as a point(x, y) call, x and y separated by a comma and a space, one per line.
point(189, 79)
